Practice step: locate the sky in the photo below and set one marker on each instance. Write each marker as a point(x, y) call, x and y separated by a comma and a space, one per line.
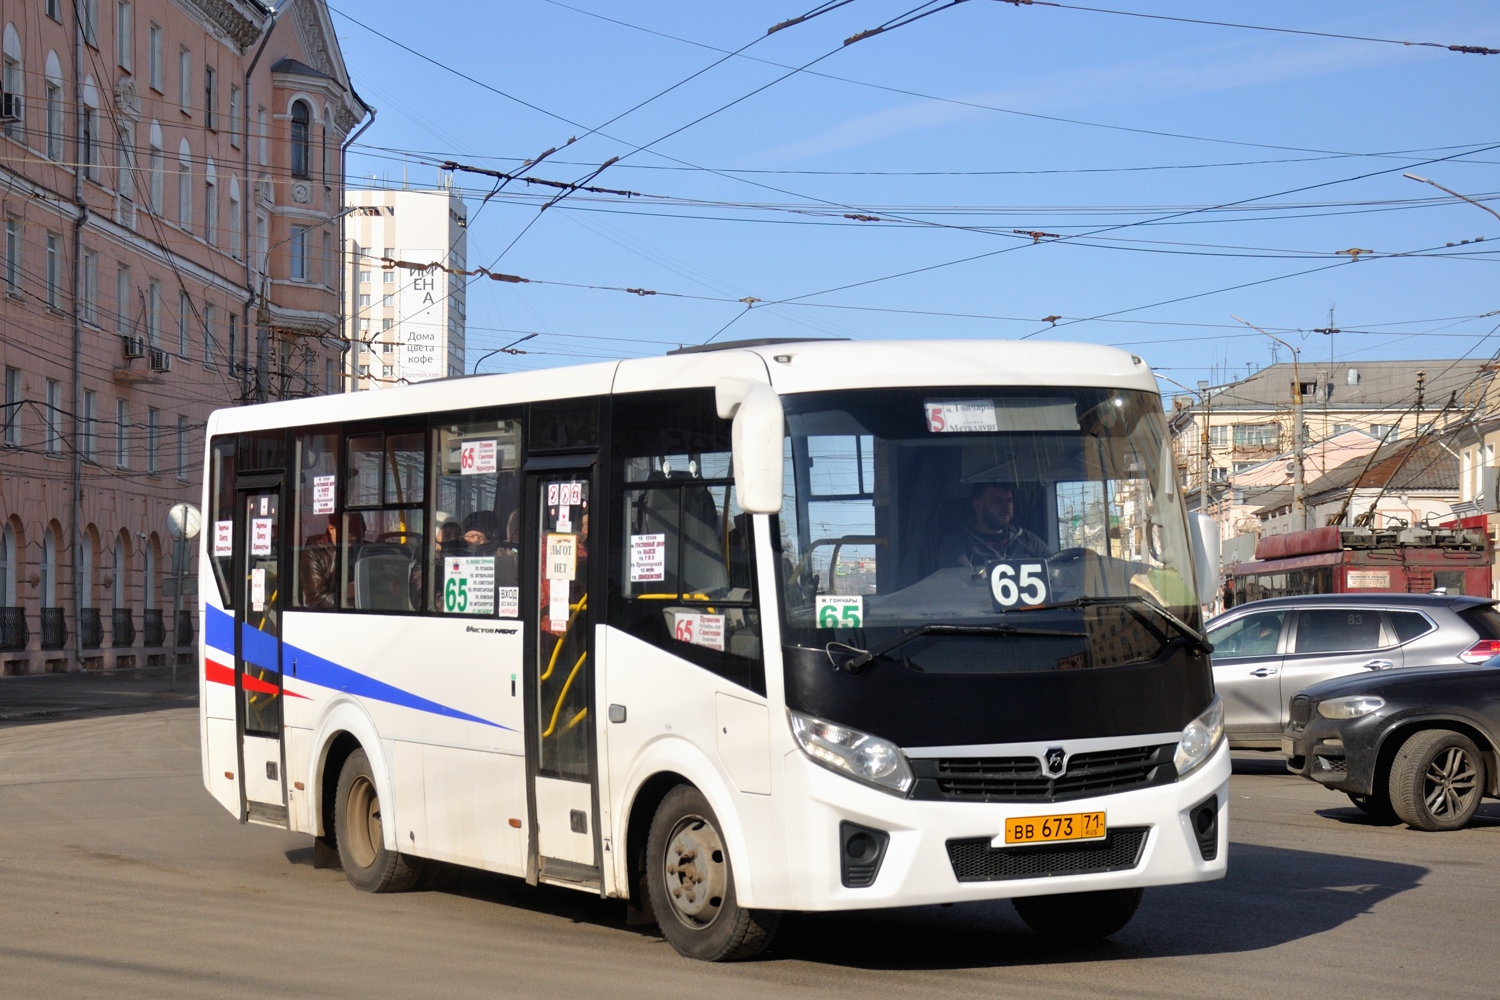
point(991, 170)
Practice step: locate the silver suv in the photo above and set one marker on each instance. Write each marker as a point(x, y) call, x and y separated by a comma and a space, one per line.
point(1267, 651)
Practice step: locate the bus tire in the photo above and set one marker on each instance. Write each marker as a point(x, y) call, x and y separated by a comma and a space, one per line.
point(368, 864)
point(690, 881)
point(1079, 915)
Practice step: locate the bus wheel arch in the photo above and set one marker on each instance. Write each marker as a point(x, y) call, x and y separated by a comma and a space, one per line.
point(690, 882)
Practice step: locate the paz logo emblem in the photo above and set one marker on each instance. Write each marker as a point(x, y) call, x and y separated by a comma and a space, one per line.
point(1053, 760)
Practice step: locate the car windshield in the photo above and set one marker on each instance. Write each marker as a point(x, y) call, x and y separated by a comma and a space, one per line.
point(980, 507)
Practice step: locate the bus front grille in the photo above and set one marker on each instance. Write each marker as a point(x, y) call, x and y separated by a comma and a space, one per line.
point(974, 860)
point(1021, 779)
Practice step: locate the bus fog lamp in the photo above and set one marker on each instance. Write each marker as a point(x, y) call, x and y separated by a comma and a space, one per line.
point(852, 753)
point(1353, 707)
point(1200, 738)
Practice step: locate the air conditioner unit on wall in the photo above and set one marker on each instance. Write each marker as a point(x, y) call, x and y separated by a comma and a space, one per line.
point(161, 361)
point(135, 347)
point(10, 107)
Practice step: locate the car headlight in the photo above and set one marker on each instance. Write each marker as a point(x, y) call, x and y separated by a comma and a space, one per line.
point(1351, 707)
point(1200, 738)
point(852, 753)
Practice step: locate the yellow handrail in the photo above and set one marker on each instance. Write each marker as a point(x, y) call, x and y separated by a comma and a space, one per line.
point(552, 664)
point(556, 711)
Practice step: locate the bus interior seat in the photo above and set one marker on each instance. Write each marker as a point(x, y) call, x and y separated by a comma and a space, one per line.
point(382, 577)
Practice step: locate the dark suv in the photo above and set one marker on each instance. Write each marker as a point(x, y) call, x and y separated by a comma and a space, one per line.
point(1267, 651)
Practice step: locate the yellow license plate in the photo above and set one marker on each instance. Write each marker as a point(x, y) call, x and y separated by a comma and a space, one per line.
point(1050, 829)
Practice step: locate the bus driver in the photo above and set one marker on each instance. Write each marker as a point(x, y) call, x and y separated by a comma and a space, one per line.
point(991, 534)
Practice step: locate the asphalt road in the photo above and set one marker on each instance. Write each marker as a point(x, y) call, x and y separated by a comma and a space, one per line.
point(120, 877)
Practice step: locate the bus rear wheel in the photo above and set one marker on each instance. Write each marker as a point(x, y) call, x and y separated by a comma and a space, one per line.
point(359, 829)
point(1079, 915)
point(691, 884)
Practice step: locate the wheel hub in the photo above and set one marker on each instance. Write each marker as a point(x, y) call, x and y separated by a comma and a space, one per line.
point(695, 871)
point(1450, 782)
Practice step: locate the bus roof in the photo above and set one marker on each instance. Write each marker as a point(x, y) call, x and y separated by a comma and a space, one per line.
point(789, 366)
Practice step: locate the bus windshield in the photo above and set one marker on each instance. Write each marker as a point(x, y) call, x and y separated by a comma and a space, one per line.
point(1052, 513)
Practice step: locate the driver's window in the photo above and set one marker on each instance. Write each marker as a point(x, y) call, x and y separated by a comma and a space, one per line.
point(842, 547)
point(1253, 635)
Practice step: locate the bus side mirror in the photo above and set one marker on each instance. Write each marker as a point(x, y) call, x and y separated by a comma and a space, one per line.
point(1206, 541)
point(759, 429)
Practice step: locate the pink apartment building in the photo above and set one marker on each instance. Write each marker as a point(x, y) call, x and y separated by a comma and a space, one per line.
point(171, 178)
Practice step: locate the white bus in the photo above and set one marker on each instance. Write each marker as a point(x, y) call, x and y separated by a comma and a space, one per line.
point(771, 626)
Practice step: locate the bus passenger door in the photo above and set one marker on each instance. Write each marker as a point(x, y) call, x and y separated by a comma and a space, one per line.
point(257, 659)
point(560, 678)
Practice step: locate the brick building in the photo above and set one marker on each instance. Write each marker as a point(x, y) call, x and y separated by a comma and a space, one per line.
point(171, 184)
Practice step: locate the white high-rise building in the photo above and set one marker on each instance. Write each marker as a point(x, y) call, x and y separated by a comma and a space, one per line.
point(407, 325)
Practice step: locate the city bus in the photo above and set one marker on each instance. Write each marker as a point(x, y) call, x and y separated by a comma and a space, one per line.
point(769, 626)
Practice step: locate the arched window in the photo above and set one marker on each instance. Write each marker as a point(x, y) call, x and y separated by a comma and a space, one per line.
point(8, 557)
point(11, 77)
point(327, 129)
point(157, 165)
point(54, 96)
point(117, 573)
point(49, 569)
point(301, 136)
point(86, 546)
point(90, 124)
point(185, 185)
point(236, 219)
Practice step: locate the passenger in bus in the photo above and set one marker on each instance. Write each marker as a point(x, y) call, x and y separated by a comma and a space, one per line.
point(450, 538)
point(319, 562)
point(992, 533)
point(481, 533)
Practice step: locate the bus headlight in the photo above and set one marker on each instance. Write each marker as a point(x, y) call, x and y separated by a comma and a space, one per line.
point(852, 753)
point(1200, 738)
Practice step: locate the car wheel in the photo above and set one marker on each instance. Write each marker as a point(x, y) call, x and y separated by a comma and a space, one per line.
point(1376, 805)
point(1437, 780)
point(360, 830)
point(690, 880)
point(1079, 915)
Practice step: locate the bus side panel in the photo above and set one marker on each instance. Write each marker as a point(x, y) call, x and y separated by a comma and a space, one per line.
point(221, 762)
point(670, 726)
point(463, 806)
point(301, 806)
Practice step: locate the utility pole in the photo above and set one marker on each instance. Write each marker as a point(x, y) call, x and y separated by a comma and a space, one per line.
point(1205, 465)
point(1299, 501)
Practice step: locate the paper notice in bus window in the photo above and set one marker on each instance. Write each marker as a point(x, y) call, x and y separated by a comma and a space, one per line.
point(323, 494)
point(1369, 579)
point(223, 538)
point(557, 605)
point(700, 630)
point(469, 585)
point(258, 589)
point(476, 457)
point(841, 612)
point(260, 536)
point(510, 602)
point(648, 558)
point(562, 557)
point(960, 416)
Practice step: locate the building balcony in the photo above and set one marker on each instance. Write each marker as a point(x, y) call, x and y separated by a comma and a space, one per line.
point(54, 628)
point(14, 635)
point(153, 627)
point(121, 627)
point(90, 629)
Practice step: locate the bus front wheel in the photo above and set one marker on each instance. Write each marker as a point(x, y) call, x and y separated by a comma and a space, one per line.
point(691, 884)
point(359, 828)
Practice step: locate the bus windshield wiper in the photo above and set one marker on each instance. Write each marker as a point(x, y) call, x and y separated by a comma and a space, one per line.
point(1131, 600)
point(863, 657)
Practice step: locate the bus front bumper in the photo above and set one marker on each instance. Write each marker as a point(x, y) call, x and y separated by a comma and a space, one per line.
point(946, 852)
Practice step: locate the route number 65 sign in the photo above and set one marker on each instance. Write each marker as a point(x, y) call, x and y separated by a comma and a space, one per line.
point(1018, 583)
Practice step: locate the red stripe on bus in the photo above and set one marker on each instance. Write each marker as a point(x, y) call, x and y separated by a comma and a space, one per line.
point(218, 673)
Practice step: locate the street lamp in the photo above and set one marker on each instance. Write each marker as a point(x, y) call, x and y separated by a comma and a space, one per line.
point(509, 348)
point(1299, 502)
point(1454, 193)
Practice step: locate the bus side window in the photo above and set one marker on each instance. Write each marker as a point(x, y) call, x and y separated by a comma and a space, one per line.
point(380, 531)
point(219, 530)
point(474, 551)
point(682, 576)
point(316, 529)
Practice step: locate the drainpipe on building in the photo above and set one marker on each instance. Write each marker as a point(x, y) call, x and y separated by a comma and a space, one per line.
point(75, 490)
point(252, 238)
point(350, 359)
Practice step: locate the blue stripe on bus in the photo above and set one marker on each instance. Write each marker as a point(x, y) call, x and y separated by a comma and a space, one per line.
point(314, 669)
point(218, 629)
point(257, 647)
